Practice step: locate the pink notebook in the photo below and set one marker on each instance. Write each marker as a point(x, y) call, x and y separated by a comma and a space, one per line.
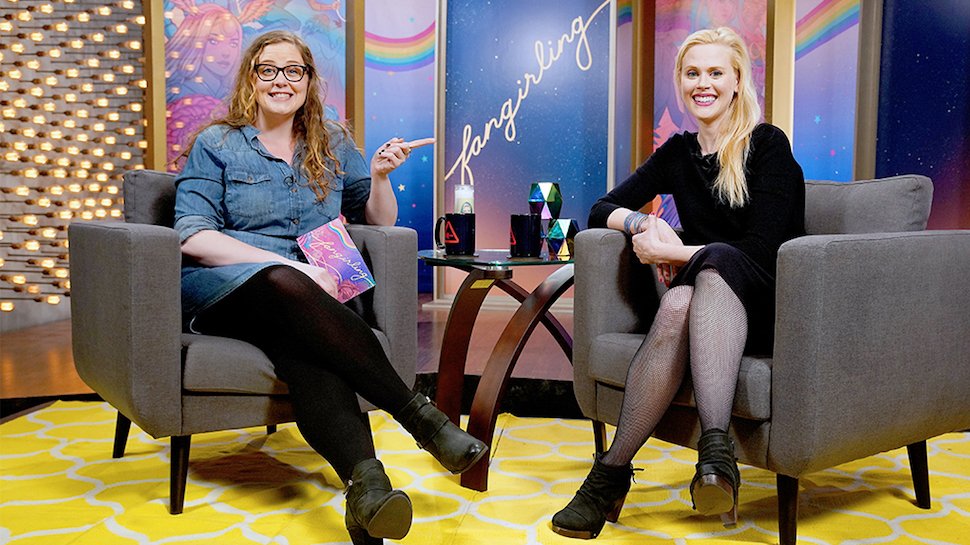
point(331, 248)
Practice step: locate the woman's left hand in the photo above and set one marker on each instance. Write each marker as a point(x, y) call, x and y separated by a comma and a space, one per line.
point(393, 154)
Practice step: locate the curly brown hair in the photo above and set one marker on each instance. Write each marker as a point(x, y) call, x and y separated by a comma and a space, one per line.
point(309, 122)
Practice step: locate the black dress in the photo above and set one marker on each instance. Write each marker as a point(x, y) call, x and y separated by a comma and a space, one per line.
point(741, 243)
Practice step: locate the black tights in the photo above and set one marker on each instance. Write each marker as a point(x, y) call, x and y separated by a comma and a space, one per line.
point(322, 350)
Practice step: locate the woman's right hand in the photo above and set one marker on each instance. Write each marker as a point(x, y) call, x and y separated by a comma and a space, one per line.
point(318, 275)
point(651, 245)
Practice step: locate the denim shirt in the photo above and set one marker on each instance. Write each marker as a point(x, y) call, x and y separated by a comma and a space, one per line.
point(232, 184)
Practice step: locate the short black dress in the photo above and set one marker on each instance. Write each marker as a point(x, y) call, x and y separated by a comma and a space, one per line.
point(740, 243)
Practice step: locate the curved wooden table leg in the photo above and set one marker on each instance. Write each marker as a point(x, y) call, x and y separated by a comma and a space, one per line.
point(491, 390)
point(551, 323)
point(458, 331)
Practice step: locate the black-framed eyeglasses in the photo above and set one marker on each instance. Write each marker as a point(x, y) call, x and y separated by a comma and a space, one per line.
point(293, 72)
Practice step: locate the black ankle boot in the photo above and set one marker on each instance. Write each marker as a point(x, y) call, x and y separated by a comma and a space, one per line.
point(435, 433)
point(373, 509)
point(598, 500)
point(714, 489)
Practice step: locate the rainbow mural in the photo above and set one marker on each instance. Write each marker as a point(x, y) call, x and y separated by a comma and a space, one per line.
point(399, 54)
point(829, 19)
point(624, 12)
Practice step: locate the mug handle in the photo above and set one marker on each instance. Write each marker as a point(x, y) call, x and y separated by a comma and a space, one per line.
point(437, 233)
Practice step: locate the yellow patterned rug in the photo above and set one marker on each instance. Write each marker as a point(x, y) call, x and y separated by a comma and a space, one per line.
point(59, 485)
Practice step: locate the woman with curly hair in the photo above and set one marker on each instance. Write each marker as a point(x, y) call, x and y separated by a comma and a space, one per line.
point(269, 170)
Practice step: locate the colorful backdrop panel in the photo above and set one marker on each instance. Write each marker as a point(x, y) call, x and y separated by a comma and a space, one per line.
point(204, 42)
point(526, 96)
point(399, 87)
point(924, 115)
point(676, 19)
point(826, 58)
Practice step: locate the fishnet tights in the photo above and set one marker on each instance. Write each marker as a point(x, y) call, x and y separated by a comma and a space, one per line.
point(654, 376)
point(718, 328)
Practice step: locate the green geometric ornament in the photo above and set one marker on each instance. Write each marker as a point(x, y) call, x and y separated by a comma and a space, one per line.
point(560, 236)
point(545, 200)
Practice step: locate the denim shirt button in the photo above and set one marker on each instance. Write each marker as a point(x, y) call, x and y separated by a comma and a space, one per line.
point(288, 180)
point(296, 221)
point(293, 190)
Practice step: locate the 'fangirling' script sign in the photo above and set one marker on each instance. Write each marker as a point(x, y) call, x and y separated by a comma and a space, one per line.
point(546, 54)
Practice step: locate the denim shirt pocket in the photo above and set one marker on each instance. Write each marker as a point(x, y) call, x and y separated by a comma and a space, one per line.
point(249, 196)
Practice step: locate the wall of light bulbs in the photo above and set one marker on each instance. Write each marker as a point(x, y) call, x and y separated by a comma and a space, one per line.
point(72, 120)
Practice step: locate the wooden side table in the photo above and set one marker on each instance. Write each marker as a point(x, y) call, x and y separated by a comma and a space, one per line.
point(486, 269)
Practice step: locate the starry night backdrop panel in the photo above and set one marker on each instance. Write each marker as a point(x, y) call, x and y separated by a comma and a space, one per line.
point(826, 57)
point(924, 115)
point(526, 101)
point(399, 53)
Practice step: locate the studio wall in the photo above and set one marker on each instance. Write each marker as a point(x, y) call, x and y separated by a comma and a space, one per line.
point(72, 94)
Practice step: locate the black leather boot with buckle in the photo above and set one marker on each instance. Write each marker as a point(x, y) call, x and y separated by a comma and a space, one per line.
point(433, 430)
point(598, 500)
point(714, 489)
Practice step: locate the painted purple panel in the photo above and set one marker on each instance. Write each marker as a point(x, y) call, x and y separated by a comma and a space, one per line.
point(204, 42)
point(676, 19)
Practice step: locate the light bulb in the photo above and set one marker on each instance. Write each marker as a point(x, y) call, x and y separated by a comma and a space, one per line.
point(6, 306)
point(53, 299)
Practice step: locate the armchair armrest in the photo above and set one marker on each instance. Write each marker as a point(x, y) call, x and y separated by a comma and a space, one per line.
point(392, 254)
point(126, 319)
point(870, 336)
point(613, 293)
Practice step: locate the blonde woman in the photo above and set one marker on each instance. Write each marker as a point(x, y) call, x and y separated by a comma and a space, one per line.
point(740, 195)
point(271, 169)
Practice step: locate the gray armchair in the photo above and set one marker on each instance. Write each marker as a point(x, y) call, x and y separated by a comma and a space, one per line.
point(129, 346)
point(871, 345)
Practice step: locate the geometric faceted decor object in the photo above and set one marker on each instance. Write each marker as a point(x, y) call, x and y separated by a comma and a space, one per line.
point(545, 200)
point(560, 237)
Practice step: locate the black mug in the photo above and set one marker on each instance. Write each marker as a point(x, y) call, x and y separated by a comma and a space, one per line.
point(525, 235)
point(459, 234)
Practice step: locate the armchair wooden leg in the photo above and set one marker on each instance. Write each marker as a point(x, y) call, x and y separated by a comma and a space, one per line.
point(179, 473)
point(921, 473)
point(599, 436)
point(787, 509)
point(122, 426)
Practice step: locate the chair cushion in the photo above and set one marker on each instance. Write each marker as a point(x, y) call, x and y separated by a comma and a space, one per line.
point(224, 365)
point(149, 197)
point(610, 356)
point(898, 203)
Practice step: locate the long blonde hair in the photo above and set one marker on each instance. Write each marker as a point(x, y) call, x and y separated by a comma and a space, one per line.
point(309, 122)
point(743, 116)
